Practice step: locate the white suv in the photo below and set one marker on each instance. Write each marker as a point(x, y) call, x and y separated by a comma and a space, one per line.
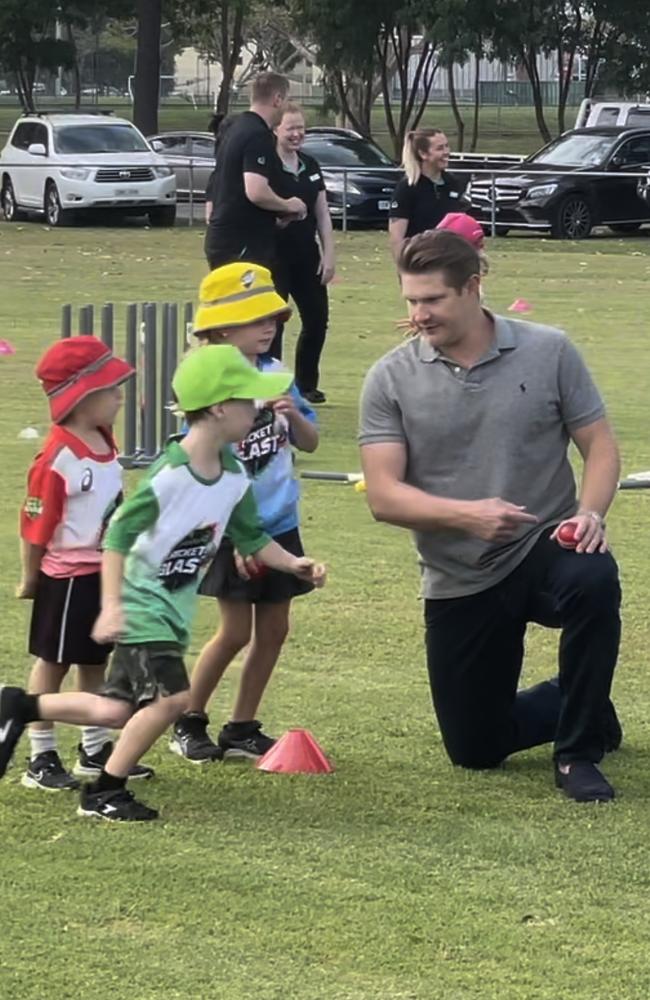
point(56, 164)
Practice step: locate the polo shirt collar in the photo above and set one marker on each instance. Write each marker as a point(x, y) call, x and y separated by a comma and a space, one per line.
point(504, 340)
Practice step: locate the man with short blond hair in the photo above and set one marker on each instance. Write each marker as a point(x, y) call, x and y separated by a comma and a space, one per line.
point(245, 205)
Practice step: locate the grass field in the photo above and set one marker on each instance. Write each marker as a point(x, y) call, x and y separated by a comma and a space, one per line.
point(398, 877)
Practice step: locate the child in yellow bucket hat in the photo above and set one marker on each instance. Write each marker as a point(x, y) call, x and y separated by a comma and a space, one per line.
point(239, 305)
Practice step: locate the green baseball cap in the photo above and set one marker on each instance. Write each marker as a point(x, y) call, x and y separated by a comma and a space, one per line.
point(219, 372)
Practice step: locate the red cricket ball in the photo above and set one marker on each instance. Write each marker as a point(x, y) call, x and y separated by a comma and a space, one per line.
point(257, 571)
point(567, 535)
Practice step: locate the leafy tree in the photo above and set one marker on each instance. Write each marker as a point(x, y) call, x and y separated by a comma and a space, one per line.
point(28, 43)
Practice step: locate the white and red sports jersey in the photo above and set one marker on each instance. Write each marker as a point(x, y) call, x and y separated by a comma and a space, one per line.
point(71, 495)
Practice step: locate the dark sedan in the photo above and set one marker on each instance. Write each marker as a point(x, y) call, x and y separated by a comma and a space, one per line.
point(357, 173)
point(585, 178)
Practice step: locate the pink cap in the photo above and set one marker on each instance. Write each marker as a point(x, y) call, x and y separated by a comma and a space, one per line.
point(465, 226)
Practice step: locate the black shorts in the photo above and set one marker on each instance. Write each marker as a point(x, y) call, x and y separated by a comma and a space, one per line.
point(64, 612)
point(222, 579)
point(140, 674)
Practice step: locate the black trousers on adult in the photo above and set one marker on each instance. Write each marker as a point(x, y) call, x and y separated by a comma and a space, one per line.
point(475, 648)
point(221, 249)
point(296, 276)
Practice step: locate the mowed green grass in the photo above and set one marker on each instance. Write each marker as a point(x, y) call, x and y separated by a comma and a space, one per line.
point(397, 877)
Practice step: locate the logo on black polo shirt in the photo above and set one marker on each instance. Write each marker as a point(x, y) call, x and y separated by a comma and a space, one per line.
point(261, 160)
point(184, 562)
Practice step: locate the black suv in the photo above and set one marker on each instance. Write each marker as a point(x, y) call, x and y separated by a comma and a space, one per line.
point(552, 190)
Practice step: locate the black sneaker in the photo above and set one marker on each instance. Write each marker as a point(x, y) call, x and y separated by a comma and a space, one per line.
point(244, 739)
point(12, 723)
point(314, 396)
point(88, 766)
point(117, 805)
point(47, 772)
point(583, 782)
point(190, 739)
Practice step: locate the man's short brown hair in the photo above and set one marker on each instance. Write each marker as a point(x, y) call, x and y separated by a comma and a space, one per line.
point(440, 250)
point(267, 85)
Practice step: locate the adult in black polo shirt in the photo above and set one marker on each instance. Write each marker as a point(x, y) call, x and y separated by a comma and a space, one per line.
point(245, 204)
point(428, 192)
point(305, 266)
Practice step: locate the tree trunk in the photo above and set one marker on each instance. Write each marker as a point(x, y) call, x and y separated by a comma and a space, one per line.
point(460, 124)
point(529, 59)
point(76, 73)
point(146, 85)
point(477, 100)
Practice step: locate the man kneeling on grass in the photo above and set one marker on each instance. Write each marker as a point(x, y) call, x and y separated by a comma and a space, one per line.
point(156, 547)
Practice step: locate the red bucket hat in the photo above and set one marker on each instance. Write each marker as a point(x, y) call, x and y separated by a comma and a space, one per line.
point(73, 368)
point(465, 226)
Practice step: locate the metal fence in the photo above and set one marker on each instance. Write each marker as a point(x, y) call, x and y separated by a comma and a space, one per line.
point(153, 341)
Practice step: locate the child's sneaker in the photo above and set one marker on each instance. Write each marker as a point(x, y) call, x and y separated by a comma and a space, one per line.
point(244, 739)
point(12, 723)
point(118, 805)
point(47, 772)
point(190, 739)
point(88, 766)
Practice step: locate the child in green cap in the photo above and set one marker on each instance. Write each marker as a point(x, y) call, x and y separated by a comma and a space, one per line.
point(156, 547)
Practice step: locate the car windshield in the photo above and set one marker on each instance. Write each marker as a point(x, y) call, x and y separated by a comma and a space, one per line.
point(344, 152)
point(113, 138)
point(577, 150)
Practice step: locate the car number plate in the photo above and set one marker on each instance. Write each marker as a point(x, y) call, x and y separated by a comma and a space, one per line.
point(127, 192)
point(383, 206)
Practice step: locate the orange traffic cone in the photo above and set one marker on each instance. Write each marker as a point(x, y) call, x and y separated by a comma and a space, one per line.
point(297, 752)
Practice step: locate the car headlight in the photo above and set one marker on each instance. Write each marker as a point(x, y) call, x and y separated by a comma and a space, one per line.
point(75, 173)
point(336, 186)
point(163, 171)
point(541, 191)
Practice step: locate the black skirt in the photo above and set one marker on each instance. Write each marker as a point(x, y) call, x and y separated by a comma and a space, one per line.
point(222, 579)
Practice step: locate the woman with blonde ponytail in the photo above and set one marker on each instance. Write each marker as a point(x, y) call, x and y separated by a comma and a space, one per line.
point(428, 192)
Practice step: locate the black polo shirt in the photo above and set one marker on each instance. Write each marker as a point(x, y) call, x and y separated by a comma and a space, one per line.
point(306, 184)
point(426, 203)
point(247, 147)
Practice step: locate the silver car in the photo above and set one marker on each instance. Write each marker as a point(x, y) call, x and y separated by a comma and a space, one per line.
point(189, 154)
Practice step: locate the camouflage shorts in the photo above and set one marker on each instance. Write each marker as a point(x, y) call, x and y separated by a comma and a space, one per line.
point(140, 674)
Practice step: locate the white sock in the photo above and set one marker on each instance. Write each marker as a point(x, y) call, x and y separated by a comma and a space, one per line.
point(41, 740)
point(94, 738)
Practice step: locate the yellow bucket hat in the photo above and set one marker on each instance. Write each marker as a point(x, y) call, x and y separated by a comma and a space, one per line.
point(238, 294)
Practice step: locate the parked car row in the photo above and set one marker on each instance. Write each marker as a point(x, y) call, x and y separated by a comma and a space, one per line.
point(59, 164)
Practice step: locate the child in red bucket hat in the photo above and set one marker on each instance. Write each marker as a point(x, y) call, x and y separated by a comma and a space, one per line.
point(74, 485)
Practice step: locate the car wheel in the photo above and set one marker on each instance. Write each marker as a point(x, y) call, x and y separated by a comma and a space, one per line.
point(573, 219)
point(11, 211)
point(625, 227)
point(163, 216)
point(54, 214)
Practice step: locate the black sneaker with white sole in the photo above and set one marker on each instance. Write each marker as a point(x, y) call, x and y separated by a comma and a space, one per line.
point(46, 771)
point(12, 723)
point(117, 805)
point(244, 739)
point(190, 739)
point(582, 781)
point(91, 766)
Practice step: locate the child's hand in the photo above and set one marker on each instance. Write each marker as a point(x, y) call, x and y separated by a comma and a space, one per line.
point(286, 405)
point(26, 590)
point(110, 624)
point(312, 572)
point(248, 567)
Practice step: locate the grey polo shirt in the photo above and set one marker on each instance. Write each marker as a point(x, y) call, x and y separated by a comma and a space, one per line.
point(498, 429)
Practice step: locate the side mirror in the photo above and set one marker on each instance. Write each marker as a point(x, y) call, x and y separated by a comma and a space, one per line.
point(37, 149)
point(157, 146)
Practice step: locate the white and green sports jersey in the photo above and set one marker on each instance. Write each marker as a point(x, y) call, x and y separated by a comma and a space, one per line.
point(169, 530)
